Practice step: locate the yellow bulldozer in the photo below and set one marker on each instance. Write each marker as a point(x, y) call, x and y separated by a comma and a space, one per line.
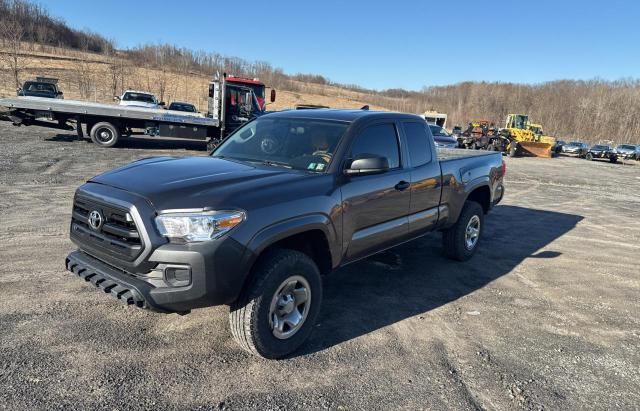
point(522, 138)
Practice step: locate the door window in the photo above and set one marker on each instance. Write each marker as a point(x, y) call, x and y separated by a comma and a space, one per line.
point(381, 140)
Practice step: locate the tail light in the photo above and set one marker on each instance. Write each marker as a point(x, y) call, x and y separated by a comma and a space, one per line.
point(504, 168)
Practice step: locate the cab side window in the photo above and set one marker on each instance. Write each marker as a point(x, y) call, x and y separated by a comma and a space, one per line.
point(418, 143)
point(381, 140)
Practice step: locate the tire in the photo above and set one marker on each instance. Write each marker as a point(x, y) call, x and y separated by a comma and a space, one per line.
point(589, 157)
point(251, 317)
point(455, 241)
point(513, 150)
point(613, 159)
point(105, 134)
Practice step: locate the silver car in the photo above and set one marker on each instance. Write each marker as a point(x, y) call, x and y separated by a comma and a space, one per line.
point(628, 151)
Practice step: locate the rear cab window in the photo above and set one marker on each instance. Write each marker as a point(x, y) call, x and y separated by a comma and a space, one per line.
point(418, 143)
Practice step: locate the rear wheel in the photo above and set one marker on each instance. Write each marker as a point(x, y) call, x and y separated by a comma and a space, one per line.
point(613, 159)
point(276, 312)
point(461, 241)
point(105, 134)
point(589, 157)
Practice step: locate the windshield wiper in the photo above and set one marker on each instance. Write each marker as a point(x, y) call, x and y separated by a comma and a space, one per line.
point(274, 163)
point(256, 160)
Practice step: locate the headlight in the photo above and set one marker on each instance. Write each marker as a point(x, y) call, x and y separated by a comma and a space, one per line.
point(200, 226)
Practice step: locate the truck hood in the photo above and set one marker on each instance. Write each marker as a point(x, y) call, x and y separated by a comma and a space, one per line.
point(194, 182)
point(138, 104)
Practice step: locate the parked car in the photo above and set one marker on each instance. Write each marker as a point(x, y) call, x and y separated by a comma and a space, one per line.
point(602, 151)
point(558, 146)
point(442, 138)
point(182, 106)
point(628, 151)
point(287, 198)
point(41, 87)
point(575, 148)
point(138, 99)
point(456, 132)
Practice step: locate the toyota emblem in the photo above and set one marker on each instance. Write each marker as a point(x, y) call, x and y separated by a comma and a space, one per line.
point(95, 220)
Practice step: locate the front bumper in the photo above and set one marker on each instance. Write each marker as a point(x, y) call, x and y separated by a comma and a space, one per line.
point(216, 274)
point(160, 275)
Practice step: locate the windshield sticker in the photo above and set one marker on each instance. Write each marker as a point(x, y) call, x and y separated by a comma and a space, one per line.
point(312, 166)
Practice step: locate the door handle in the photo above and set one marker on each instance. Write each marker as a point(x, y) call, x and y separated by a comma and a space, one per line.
point(403, 185)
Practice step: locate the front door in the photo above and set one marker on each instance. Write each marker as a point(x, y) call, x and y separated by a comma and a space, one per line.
point(375, 207)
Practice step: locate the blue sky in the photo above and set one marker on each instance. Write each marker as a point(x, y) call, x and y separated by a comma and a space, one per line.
point(390, 44)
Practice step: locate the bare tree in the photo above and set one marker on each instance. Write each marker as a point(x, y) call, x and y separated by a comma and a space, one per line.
point(86, 77)
point(12, 33)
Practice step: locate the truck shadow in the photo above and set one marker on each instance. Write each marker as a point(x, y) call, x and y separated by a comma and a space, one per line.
point(140, 142)
point(415, 278)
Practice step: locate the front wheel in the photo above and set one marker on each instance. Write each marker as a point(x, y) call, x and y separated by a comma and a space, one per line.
point(461, 241)
point(589, 157)
point(276, 312)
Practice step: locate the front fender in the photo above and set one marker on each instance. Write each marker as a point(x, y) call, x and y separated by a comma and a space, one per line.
point(286, 228)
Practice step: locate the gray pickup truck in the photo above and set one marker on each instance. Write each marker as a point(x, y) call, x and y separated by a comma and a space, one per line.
point(286, 199)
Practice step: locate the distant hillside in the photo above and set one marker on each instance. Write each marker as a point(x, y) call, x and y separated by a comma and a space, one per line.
point(33, 23)
point(34, 43)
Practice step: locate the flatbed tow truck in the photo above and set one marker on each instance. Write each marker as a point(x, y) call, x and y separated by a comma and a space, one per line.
point(232, 102)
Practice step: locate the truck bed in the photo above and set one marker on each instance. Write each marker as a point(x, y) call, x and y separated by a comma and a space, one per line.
point(448, 154)
point(72, 107)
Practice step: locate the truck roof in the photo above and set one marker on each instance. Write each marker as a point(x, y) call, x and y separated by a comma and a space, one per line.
point(138, 91)
point(234, 79)
point(340, 114)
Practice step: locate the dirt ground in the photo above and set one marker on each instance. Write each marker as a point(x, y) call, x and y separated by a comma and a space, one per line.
point(545, 316)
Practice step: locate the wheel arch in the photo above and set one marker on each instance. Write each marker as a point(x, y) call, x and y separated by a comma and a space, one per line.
point(313, 235)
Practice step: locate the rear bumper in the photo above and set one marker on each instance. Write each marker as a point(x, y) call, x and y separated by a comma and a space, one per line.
point(499, 195)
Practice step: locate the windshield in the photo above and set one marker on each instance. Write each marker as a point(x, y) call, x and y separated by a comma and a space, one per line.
point(438, 131)
point(627, 147)
point(145, 98)
point(182, 107)
point(301, 144)
point(600, 147)
point(258, 90)
point(41, 87)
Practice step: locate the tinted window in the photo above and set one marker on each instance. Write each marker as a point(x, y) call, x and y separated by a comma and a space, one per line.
point(418, 143)
point(381, 140)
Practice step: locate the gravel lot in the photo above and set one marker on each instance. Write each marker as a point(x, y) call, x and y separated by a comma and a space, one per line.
point(546, 316)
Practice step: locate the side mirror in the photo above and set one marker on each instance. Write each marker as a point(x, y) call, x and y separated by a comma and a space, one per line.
point(162, 103)
point(367, 164)
point(273, 95)
point(116, 98)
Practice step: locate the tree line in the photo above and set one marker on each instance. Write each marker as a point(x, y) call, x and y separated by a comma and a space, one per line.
point(592, 110)
point(36, 25)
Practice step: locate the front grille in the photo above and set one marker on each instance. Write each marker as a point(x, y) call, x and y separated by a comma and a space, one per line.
point(118, 235)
